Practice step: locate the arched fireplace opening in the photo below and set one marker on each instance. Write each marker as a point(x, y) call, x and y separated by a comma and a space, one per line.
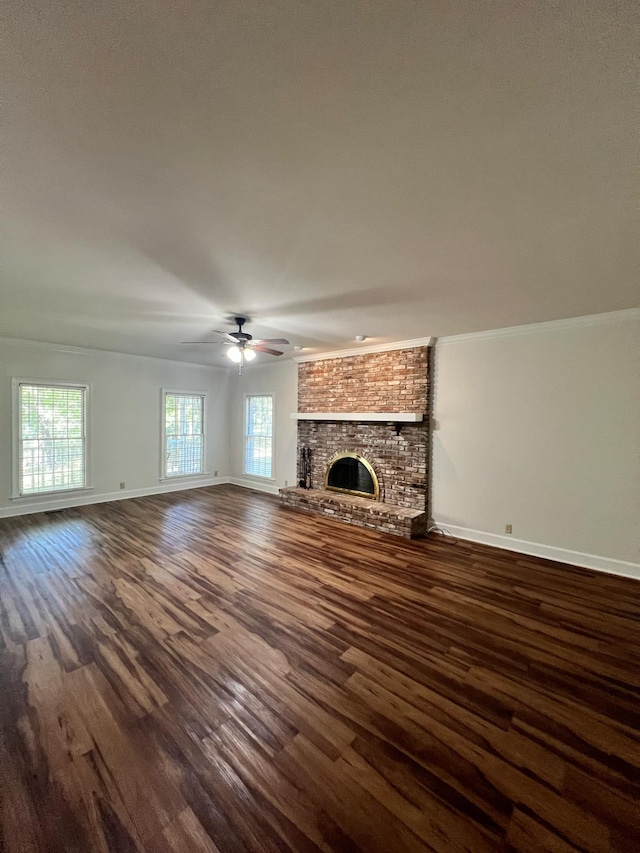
point(353, 474)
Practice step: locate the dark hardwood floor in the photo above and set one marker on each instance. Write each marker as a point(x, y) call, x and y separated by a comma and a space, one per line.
point(206, 671)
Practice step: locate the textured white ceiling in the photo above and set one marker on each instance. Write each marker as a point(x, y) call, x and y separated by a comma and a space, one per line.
point(394, 169)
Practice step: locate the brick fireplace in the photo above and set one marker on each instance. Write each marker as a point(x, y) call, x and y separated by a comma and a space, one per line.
point(361, 390)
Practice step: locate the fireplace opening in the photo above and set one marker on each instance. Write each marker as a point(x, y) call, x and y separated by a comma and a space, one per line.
point(351, 473)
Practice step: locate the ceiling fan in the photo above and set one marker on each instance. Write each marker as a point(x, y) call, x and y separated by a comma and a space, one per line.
point(242, 346)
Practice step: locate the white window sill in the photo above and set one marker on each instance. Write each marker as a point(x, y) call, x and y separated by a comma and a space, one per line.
point(185, 477)
point(53, 492)
point(260, 479)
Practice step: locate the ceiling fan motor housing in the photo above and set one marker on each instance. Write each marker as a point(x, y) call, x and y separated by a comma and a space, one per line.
point(240, 335)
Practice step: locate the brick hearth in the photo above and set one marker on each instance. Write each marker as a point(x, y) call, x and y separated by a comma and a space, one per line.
point(384, 517)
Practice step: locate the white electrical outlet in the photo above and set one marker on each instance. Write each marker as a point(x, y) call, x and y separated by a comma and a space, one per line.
point(122, 485)
point(215, 473)
point(286, 483)
point(508, 528)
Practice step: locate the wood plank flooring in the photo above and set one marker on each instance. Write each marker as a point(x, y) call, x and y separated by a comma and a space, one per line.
point(207, 671)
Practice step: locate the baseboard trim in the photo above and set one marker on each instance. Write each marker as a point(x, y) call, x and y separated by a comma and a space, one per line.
point(269, 488)
point(547, 552)
point(106, 497)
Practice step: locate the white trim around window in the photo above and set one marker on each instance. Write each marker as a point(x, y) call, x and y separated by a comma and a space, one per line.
point(63, 434)
point(253, 439)
point(190, 445)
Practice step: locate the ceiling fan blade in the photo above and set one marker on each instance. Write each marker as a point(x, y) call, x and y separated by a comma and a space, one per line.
point(227, 335)
point(267, 349)
point(282, 341)
point(211, 343)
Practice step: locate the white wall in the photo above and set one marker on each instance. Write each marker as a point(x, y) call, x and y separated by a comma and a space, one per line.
point(124, 418)
point(280, 379)
point(539, 427)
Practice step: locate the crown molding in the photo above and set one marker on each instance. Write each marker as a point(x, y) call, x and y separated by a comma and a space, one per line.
point(509, 331)
point(346, 353)
point(73, 350)
point(547, 325)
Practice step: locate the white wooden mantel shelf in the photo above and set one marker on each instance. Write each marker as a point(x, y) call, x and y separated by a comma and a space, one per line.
point(395, 417)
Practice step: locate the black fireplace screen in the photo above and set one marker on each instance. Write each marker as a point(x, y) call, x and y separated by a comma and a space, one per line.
point(353, 474)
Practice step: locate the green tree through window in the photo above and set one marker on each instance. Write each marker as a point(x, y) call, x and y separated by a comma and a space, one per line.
point(183, 434)
point(52, 440)
point(258, 447)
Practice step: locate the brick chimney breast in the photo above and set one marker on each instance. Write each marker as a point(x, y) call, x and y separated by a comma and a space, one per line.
point(391, 381)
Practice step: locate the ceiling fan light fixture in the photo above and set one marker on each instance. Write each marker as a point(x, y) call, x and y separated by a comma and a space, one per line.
point(235, 354)
point(249, 354)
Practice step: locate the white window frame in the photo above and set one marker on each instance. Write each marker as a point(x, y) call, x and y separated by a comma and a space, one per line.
point(181, 392)
point(16, 437)
point(259, 477)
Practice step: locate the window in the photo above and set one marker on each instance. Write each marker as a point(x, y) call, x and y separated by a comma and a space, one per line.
point(258, 442)
point(183, 429)
point(51, 453)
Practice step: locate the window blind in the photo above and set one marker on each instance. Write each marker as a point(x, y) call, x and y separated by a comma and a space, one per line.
point(51, 446)
point(184, 434)
point(258, 446)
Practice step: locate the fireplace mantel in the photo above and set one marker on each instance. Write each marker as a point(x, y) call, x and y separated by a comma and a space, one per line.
point(392, 417)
